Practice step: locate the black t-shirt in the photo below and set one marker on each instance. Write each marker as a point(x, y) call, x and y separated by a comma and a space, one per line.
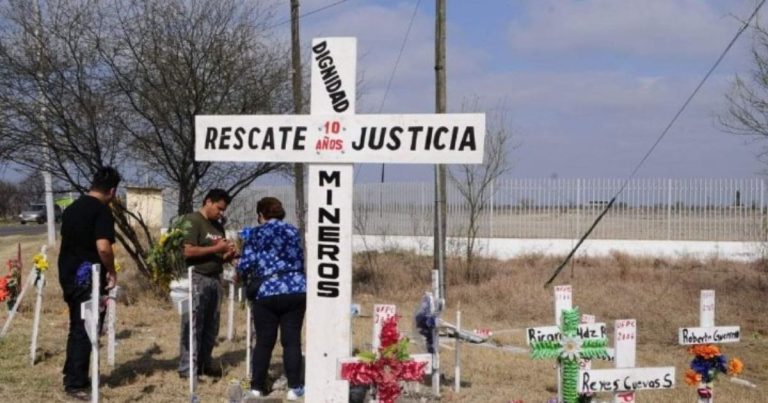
point(82, 223)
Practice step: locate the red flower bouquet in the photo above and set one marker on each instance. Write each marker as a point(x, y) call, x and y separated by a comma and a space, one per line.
point(385, 368)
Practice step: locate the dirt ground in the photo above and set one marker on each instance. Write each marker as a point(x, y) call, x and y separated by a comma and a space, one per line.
point(504, 296)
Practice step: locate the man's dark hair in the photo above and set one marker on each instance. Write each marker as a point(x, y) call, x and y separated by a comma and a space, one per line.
point(105, 178)
point(270, 207)
point(217, 195)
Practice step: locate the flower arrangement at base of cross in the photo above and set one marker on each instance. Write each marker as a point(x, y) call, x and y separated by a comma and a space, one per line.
point(166, 258)
point(706, 364)
point(384, 369)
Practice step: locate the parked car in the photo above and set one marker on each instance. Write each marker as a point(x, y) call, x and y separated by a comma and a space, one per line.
point(36, 212)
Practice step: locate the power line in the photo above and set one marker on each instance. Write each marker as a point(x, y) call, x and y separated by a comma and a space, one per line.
point(397, 63)
point(656, 143)
point(308, 13)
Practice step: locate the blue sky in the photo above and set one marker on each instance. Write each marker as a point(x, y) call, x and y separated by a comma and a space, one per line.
point(588, 85)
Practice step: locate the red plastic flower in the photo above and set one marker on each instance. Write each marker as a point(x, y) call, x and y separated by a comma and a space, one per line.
point(386, 369)
point(3, 288)
point(389, 334)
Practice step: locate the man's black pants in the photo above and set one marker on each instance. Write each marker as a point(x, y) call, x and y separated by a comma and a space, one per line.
point(78, 345)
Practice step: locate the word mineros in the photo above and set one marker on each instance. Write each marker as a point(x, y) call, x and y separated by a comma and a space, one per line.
point(328, 237)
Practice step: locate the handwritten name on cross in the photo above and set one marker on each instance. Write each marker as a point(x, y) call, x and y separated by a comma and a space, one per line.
point(568, 350)
point(331, 138)
point(707, 332)
point(625, 378)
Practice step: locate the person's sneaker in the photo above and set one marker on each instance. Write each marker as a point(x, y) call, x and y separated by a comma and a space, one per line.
point(253, 394)
point(295, 393)
point(81, 395)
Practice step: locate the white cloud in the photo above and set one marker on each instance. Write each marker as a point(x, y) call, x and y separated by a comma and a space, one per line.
point(662, 28)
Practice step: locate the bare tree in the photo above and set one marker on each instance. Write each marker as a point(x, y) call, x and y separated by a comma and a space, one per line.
point(474, 181)
point(57, 109)
point(174, 59)
point(86, 84)
point(748, 98)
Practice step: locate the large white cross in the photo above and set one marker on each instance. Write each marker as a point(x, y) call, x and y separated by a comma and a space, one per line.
point(625, 378)
point(331, 139)
point(707, 332)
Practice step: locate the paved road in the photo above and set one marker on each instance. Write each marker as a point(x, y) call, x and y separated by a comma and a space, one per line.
point(28, 229)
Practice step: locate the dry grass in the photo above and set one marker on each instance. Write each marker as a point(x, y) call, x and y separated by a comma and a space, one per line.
point(507, 296)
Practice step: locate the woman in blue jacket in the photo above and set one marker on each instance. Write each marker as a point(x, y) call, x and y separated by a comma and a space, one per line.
point(272, 266)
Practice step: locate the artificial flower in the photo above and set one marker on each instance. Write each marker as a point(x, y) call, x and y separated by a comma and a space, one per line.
point(705, 351)
point(83, 275)
point(41, 263)
point(735, 366)
point(4, 288)
point(118, 267)
point(692, 377)
point(705, 393)
point(571, 349)
point(386, 368)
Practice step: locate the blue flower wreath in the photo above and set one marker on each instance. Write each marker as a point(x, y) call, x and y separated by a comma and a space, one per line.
point(426, 321)
point(83, 275)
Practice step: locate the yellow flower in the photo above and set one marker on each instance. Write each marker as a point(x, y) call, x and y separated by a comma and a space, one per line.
point(41, 264)
point(118, 267)
point(735, 366)
point(163, 239)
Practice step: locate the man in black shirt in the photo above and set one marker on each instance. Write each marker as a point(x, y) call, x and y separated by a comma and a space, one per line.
point(87, 235)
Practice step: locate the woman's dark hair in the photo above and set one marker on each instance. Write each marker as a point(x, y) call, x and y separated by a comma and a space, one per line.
point(217, 195)
point(105, 179)
point(270, 207)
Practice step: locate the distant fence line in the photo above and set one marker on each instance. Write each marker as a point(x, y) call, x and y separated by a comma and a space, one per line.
point(653, 209)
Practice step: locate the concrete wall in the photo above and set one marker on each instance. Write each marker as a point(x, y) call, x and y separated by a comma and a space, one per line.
point(505, 248)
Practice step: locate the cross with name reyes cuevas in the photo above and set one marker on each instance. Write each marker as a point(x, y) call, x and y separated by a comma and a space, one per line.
point(331, 139)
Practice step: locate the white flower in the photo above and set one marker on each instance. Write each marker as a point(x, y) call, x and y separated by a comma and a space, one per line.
point(571, 347)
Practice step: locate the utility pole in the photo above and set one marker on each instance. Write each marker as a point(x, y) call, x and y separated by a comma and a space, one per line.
point(298, 168)
point(47, 179)
point(440, 192)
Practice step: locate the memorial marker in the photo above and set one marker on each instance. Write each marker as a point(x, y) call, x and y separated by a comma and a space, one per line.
point(381, 312)
point(39, 284)
point(89, 312)
point(333, 138)
point(625, 378)
point(111, 302)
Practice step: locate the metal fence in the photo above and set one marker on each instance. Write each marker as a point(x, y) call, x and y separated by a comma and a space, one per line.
point(656, 209)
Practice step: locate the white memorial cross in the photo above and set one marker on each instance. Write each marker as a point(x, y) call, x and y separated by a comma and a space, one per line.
point(381, 312)
point(111, 318)
point(563, 301)
point(39, 284)
point(331, 139)
point(707, 332)
point(426, 358)
point(89, 312)
point(625, 378)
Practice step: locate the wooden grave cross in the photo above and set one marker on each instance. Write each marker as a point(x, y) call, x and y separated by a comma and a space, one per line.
point(623, 380)
point(707, 332)
point(89, 312)
point(39, 284)
point(382, 312)
point(564, 301)
point(331, 139)
point(569, 345)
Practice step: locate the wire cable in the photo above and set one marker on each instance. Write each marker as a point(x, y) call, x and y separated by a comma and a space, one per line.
point(656, 143)
point(308, 13)
point(394, 69)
